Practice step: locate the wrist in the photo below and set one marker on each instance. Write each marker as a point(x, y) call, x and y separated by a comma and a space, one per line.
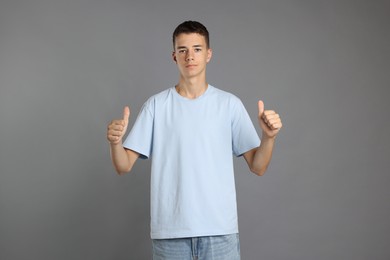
point(265, 137)
point(116, 144)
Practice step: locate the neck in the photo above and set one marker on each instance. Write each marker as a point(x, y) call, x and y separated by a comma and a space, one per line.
point(191, 88)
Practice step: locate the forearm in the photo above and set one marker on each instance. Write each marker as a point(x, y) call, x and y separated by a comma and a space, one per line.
point(120, 158)
point(262, 156)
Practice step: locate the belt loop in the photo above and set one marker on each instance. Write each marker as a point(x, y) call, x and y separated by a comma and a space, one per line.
point(194, 244)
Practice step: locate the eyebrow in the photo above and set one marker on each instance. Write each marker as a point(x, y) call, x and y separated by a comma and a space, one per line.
point(184, 47)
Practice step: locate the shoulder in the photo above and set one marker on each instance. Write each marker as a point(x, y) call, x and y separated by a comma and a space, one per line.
point(224, 96)
point(160, 97)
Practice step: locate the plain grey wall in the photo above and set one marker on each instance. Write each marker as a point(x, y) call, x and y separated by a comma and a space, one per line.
point(67, 68)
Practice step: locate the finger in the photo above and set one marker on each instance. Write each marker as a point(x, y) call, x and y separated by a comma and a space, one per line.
point(116, 124)
point(270, 117)
point(115, 133)
point(269, 112)
point(261, 107)
point(276, 125)
point(270, 120)
point(126, 114)
point(113, 139)
point(116, 127)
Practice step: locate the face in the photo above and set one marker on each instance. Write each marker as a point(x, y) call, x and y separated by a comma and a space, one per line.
point(191, 54)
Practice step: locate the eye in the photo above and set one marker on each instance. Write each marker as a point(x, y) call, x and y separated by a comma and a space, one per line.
point(182, 51)
point(198, 49)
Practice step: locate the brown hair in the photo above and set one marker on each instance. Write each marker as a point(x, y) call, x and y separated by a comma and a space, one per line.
point(191, 27)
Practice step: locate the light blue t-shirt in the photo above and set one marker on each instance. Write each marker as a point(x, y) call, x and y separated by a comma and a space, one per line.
point(191, 143)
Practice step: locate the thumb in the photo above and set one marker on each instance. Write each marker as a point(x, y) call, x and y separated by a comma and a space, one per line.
point(126, 114)
point(261, 107)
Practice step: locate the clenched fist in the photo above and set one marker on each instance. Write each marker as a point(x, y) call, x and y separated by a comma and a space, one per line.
point(117, 128)
point(269, 121)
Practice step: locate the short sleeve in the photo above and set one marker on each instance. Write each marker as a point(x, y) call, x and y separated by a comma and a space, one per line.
point(140, 138)
point(244, 135)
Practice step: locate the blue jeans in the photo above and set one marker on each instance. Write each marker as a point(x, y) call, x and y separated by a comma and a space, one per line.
point(226, 247)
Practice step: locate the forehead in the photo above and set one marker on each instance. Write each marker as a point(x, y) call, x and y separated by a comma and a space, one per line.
point(189, 40)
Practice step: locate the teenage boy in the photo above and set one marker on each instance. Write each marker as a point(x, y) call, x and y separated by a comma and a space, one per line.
point(191, 131)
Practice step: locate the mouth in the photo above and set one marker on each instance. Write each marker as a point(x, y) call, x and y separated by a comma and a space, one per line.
point(189, 66)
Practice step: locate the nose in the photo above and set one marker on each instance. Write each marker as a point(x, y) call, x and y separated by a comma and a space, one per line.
point(190, 55)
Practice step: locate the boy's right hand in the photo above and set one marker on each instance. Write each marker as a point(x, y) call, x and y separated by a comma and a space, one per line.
point(117, 128)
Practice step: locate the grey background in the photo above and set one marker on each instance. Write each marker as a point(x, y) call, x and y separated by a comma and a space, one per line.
point(67, 68)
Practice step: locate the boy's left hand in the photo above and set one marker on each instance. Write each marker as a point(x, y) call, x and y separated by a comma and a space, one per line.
point(269, 121)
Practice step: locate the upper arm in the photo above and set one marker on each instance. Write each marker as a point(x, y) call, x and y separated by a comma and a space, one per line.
point(132, 156)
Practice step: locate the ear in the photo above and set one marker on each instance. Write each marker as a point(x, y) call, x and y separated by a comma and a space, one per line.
point(209, 54)
point(174, 56)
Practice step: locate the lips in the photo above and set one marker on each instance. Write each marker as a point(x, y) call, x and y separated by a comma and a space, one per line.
point(189, 66)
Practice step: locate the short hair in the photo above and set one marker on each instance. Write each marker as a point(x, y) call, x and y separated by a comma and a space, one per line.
point(188, 27)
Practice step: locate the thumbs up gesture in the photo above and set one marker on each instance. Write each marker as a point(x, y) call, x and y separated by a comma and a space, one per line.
point(117, 128)
point(269, 121)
